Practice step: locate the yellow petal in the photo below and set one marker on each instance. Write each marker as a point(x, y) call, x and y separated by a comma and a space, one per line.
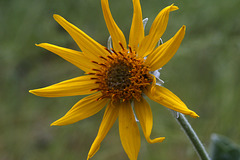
point(75, 57)
point(84, 108)
point(128, 130)
point(110, 116)
point(166, 98)
point(72, 87)
point(114, 30)
point(90, 47)
point(161, 55)
point(137, 30)
point(144, 114)
point(156, 31)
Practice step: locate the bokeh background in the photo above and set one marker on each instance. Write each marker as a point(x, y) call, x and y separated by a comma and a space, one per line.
point(204, 74)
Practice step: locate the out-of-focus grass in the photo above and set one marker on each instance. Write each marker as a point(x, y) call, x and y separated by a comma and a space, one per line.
point(204, 74)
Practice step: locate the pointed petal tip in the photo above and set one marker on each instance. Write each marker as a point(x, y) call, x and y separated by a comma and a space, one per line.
point(53, 124)
point(173, 8)
point(184, 27)
point(58, 122)
point(56, 15)
point(161, 139)
point(41, 44)
point(33, 92)
point(194, 115)
point(156, 140)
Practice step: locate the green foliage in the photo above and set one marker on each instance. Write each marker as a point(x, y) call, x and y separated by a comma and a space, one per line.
point(204, 74)
point(221, 148)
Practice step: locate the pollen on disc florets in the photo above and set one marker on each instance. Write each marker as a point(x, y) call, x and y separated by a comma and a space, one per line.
point(122, 76)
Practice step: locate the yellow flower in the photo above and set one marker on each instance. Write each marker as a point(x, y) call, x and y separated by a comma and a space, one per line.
point(117, 77)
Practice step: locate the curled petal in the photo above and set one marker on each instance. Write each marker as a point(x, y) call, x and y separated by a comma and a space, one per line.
point(110, 116)
point(85, 108)
point(128, 130)
point(166, 98)
point(156, 31)
point(161, 55)
point(77, 86)
point(144, 114)
point(114, 30)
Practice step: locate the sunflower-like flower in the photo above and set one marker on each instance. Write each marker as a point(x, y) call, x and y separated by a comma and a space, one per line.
point(118, 77)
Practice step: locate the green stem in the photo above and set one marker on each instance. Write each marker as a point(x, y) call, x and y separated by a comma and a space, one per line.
point(199, 148)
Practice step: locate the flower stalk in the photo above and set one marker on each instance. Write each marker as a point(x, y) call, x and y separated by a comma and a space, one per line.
point(191, 134)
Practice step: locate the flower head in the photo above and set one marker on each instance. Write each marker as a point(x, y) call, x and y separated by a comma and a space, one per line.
point(117, 77)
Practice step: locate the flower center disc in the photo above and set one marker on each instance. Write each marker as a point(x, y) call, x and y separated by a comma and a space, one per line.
point(118, 76)
point(122, 76)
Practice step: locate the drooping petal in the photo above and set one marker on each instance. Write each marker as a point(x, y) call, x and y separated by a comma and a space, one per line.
point(110, 116)
point(161, 55)
point(114, 30)
point(166, 98)
point(144, 114)
point(156, 31)
point(128, 130)
point(84, 108)
point(75, 57)
point(90, 47)
point(137, 30)
point(77, 86)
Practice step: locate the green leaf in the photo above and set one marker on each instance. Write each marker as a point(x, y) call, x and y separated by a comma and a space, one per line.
point(222, 148)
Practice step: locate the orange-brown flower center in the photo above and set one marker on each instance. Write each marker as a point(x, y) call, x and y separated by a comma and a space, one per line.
point(118, 76)
point(122, 76)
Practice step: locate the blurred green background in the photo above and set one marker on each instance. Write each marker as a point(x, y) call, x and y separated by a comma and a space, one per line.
point(204, 74)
